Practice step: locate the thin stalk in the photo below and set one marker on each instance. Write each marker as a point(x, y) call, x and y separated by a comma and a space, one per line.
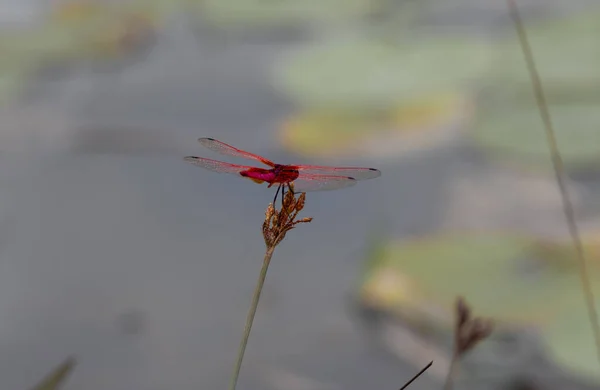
point(250, 318)
point(559, 171)
point(416, 376)
point(451, 372)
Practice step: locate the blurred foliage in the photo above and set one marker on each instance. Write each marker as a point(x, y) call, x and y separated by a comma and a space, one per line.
point(74, 31)
point(349, 87)
point(565, 50)
point(101, 31)
point(261, 13)
point(456, 259)
point(518, 132)
point(560, 254)
point(11, 85)
point(568, 59)
point(367, 74)
point(346, 90)
point(30, 47)
point(56, 379)
point(331, 132)
point(506, 277)
point(16, 64)
point(165, 8)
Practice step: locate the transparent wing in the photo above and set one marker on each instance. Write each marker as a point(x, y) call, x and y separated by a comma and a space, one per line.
point(354, 172)
point(228, 150)
point(216, 166)
point(314, 182)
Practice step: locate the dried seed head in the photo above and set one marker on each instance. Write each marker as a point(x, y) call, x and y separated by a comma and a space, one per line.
point(268, 236)
point(300, 202)
point(482, 328)
point(270, 211)
point(289, 201)
point(278, 222)
point(469, 330)
point(265, 231)
point(463, 312)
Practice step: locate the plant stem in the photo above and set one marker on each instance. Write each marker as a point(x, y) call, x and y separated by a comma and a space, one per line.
point(451, 372)
point(416, 376)
point(250, 318)
point(560, 174)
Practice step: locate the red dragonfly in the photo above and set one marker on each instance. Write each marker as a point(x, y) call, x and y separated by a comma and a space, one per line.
point(303, 177)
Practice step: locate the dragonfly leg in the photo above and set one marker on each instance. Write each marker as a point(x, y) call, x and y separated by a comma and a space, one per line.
point(276, 193)
point(282, 193)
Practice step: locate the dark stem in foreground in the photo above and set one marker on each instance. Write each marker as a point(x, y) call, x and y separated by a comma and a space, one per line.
point(559, 171)
point(416, 376)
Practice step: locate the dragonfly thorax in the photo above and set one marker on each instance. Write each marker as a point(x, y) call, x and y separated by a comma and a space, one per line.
point(285, 173)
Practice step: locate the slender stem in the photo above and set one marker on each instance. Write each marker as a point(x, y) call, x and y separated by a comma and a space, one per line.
point(416, 376)
point(250, 318)
point(451, 372)
point(560, 173)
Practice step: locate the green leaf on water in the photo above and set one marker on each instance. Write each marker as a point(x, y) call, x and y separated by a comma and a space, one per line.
point(56, 378)
point(366, 74)
point(503, 277)
point(486, 268)
point(567, 56)
point(516, 133)
point(565, 50)
point(569, 338)
point(259, 13)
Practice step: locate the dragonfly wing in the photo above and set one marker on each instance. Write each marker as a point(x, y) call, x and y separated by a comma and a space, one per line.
point(228, 150)
point(316, 182)
point(216, 166)
point(355, 172)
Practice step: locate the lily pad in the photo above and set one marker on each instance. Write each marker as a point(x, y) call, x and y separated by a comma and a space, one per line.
point(17, 65)
point(75, 11)
point(487, 269)
point(331, 133)
point(560, 253)
point(261, 13)
point(162, 8)
point(501, 276)
point(36, 46)
point(565, 51)
point(11, 85)
point(115, 36)
point(94, 31)
point(366, 75)
point(570, 339)
point(517, 134)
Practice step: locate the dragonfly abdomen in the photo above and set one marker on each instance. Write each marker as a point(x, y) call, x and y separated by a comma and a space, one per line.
point(259, 175)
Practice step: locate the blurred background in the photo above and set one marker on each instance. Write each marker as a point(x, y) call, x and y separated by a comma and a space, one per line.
point(115, 251)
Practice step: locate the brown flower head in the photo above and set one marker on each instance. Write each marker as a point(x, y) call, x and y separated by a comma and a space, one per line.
point(469, 331)
point(278, 222)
